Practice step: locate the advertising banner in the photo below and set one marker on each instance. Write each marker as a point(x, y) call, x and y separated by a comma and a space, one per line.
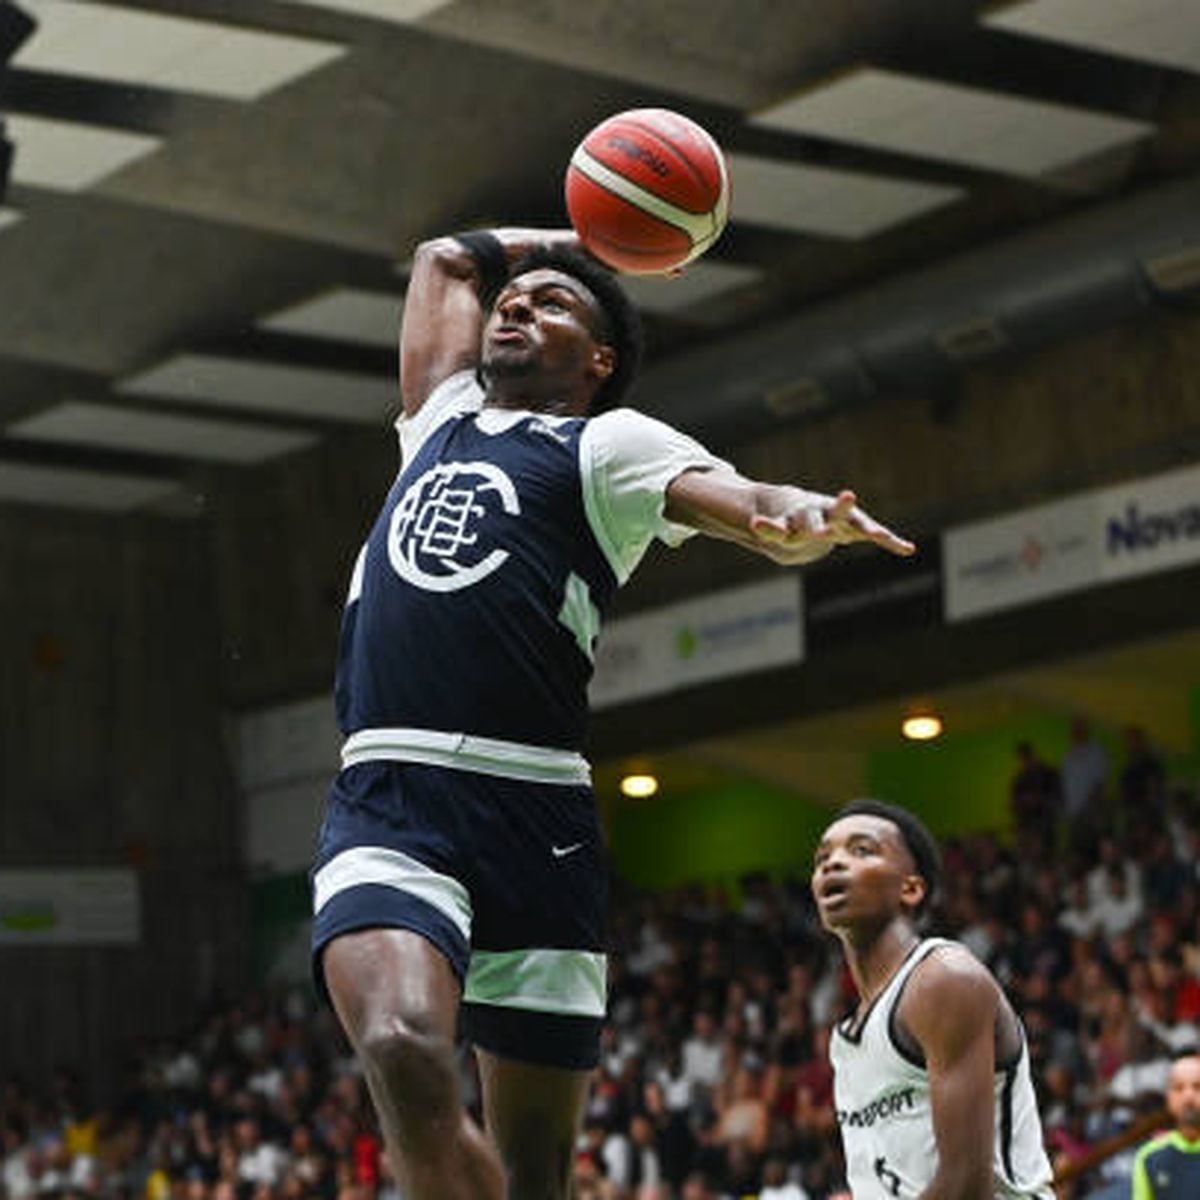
point(847, 601)
point(1151, 525)
point(66, 907)
point(750, 628)
point(1111, 533)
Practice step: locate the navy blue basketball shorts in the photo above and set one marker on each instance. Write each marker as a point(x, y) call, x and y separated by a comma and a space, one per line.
point(507, 878)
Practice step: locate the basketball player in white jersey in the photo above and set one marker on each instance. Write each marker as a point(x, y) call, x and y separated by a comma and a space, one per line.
point(931, 1072)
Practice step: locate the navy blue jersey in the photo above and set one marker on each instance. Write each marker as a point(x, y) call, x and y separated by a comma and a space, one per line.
point(477, 598)
point(1167, 1168)
point(478, 582)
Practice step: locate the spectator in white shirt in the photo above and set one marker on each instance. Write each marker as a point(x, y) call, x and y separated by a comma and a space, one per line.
point(1077, 918)
point(776, 1185)
point(703, 1053)
point(1084, 775)
point(1117, 911)
point(259, 1162)
point(21, 1169)
point(1110, 855)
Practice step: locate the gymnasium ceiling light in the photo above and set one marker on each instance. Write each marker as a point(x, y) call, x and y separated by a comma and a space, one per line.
point(921, 726)
point(639, 787)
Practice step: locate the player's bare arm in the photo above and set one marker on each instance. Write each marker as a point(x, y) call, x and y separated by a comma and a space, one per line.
point(950, 1007)
point(443, 314)
point(786, 524)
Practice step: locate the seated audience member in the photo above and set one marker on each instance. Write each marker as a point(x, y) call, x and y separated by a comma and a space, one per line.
point(1168, 1166)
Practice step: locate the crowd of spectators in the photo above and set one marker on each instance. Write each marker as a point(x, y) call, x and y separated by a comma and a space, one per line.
point(714, 1080)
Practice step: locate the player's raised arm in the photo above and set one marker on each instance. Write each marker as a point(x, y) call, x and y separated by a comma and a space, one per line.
point(950, 1008)
point(789, 525)
point(452, 280)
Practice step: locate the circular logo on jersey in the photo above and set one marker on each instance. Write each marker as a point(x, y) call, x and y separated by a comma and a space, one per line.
point(438, 538)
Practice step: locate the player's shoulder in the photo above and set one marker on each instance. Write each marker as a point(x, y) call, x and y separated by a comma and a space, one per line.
point(455, 395)
point(949, 974)
point(1166, 1140)
point(625, 433)
point(627, 418)
point(629, 431)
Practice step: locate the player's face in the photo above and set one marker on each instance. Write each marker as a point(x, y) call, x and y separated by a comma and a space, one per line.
point(1183, 1092)
point(863, 874)
point(545, 321)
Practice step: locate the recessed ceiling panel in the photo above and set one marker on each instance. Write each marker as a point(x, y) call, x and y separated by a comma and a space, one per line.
point(67, 487)
point(400, 11)
point(109, 427)
point(343, 314)
point(128, 45)
point(67, 156)
point(972, 126)
point(825, 202)
point(1158, 31)
point(255, 385)
point(700, 281)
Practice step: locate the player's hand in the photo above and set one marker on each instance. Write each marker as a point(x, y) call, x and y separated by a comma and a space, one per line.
point(812, 523)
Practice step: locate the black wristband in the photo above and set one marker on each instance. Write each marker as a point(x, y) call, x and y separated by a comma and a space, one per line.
point(491, 262)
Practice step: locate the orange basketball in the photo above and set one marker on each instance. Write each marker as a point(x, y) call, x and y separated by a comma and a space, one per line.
point(647, 191)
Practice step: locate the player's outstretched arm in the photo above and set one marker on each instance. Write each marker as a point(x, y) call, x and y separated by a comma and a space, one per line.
point(950, 1006)
point(786, 524)
point(443, 312)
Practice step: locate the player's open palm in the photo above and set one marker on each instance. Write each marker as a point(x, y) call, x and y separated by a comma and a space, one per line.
point(812, 523)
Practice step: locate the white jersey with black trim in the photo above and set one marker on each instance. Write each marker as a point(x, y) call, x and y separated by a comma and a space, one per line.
point(885, 1115)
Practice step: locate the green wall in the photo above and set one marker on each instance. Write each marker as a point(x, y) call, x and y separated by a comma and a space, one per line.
point(960, 783)
point(957, 784)
point(712, 835)
point(280, 905)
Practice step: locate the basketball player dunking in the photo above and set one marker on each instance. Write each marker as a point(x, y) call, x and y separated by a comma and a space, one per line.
point(931, 1073)
point(460, 857)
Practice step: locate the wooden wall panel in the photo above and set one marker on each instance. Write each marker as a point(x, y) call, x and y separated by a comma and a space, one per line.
point(112, 753)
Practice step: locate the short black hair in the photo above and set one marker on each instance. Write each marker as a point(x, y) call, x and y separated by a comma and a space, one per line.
point(623, 324)
point(918, 840)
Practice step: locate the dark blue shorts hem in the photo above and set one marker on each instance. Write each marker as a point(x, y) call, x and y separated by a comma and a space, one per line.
point(546, 1039)
point(377, 906)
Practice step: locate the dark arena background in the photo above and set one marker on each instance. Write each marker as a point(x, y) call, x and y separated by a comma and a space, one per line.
point(961, 275)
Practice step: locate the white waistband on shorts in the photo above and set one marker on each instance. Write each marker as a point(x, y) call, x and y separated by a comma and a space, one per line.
point(466, 752)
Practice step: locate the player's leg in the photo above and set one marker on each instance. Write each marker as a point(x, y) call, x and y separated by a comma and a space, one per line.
point(397, 997)
point(536, 984)
point(391, 933)
point(533, 1114)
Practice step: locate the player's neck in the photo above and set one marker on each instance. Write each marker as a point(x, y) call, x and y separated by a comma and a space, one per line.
point(874, 959)
point(525, 395)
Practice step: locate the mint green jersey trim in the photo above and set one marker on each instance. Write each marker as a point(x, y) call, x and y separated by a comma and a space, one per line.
point(598, 515)
point(569, 982)
point(467, 752)
point(384, 866)
point(580, 615)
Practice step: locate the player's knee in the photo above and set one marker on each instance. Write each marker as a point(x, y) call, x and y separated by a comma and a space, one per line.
point(408, 1056)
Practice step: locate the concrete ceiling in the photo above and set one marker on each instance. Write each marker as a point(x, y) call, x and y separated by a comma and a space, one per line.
point(468, 113)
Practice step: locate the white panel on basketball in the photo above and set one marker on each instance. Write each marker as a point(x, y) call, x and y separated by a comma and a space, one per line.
point(700, 227)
